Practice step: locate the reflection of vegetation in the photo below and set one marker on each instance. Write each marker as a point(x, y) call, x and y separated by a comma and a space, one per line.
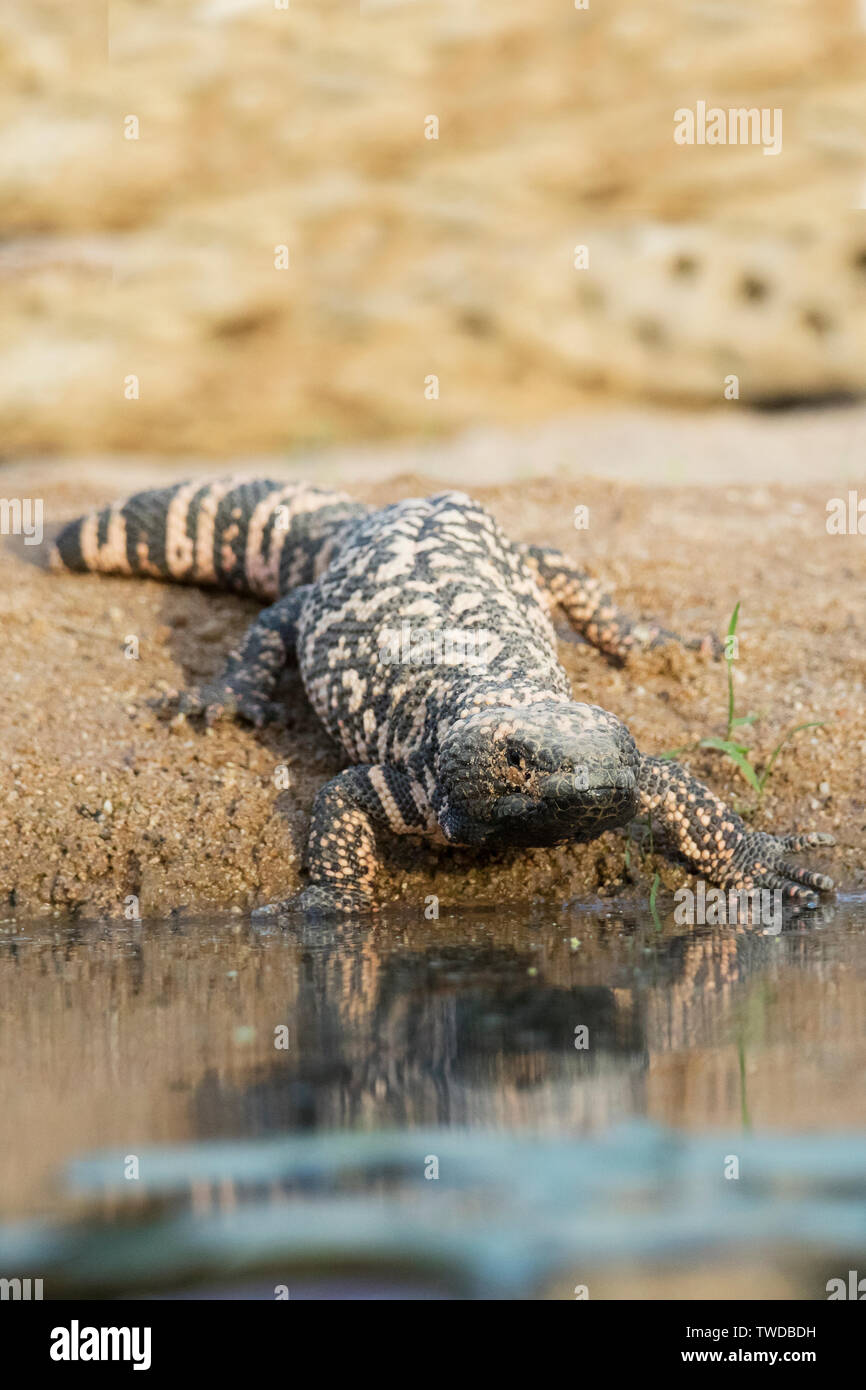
point(645, 850)
point(653, 909)
point(751, 1028)
point(739, 752)
point(744, 1103)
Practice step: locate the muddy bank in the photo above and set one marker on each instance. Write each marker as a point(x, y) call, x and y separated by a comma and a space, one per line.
point(100, 800)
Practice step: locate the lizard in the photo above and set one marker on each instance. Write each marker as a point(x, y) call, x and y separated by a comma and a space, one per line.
point(425, 643)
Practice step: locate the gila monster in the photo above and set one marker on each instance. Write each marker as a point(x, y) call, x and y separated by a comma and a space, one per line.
point(425, 644)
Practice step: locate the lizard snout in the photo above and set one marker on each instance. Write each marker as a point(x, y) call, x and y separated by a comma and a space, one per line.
point(511, 807)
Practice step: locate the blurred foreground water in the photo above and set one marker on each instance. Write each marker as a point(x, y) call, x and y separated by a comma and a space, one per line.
point(494, 1104)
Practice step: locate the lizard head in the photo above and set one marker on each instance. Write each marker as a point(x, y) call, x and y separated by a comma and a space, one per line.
point(536, 774)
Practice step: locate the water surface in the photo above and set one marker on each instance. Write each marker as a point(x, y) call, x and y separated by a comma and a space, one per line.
point(587, 1082)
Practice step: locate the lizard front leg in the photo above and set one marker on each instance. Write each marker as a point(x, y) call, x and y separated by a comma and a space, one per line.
point(593, 614)
point(342, 856)
point(718, 844)
point(246, 686)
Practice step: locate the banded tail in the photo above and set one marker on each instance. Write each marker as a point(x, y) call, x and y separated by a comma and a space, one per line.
point(251, 536)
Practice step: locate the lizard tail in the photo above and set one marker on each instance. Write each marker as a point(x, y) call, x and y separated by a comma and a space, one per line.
point(251, 536)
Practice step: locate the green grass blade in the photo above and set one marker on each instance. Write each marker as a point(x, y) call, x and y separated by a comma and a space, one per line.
point(729, 663)
point(815, 724)
point(737, 755)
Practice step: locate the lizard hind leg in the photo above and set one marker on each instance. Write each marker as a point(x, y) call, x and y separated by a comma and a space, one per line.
point(593, 613)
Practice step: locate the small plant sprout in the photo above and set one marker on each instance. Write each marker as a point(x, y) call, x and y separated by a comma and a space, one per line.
point(739, 752)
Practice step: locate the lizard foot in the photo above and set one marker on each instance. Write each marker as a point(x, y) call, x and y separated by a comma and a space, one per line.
point(763, 865)
point(650, 637)
point(218, 701)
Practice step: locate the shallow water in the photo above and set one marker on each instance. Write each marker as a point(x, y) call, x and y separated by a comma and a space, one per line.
point(586, 1081)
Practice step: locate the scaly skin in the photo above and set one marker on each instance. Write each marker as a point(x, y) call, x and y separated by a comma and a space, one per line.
point(476, 742)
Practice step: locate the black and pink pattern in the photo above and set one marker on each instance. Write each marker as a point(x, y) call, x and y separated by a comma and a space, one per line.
point(470, 752)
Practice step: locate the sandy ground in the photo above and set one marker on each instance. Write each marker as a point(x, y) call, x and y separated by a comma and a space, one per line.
point(99, 800)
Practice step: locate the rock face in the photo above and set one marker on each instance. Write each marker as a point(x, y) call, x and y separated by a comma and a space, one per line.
point(303, 217)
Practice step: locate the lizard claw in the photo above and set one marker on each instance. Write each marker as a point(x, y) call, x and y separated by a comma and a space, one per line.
point(215, 702)
point(766, 868)
point(709, 645)
point(650, 637)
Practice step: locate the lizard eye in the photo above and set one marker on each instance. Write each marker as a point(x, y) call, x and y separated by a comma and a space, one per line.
point(513, 757)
